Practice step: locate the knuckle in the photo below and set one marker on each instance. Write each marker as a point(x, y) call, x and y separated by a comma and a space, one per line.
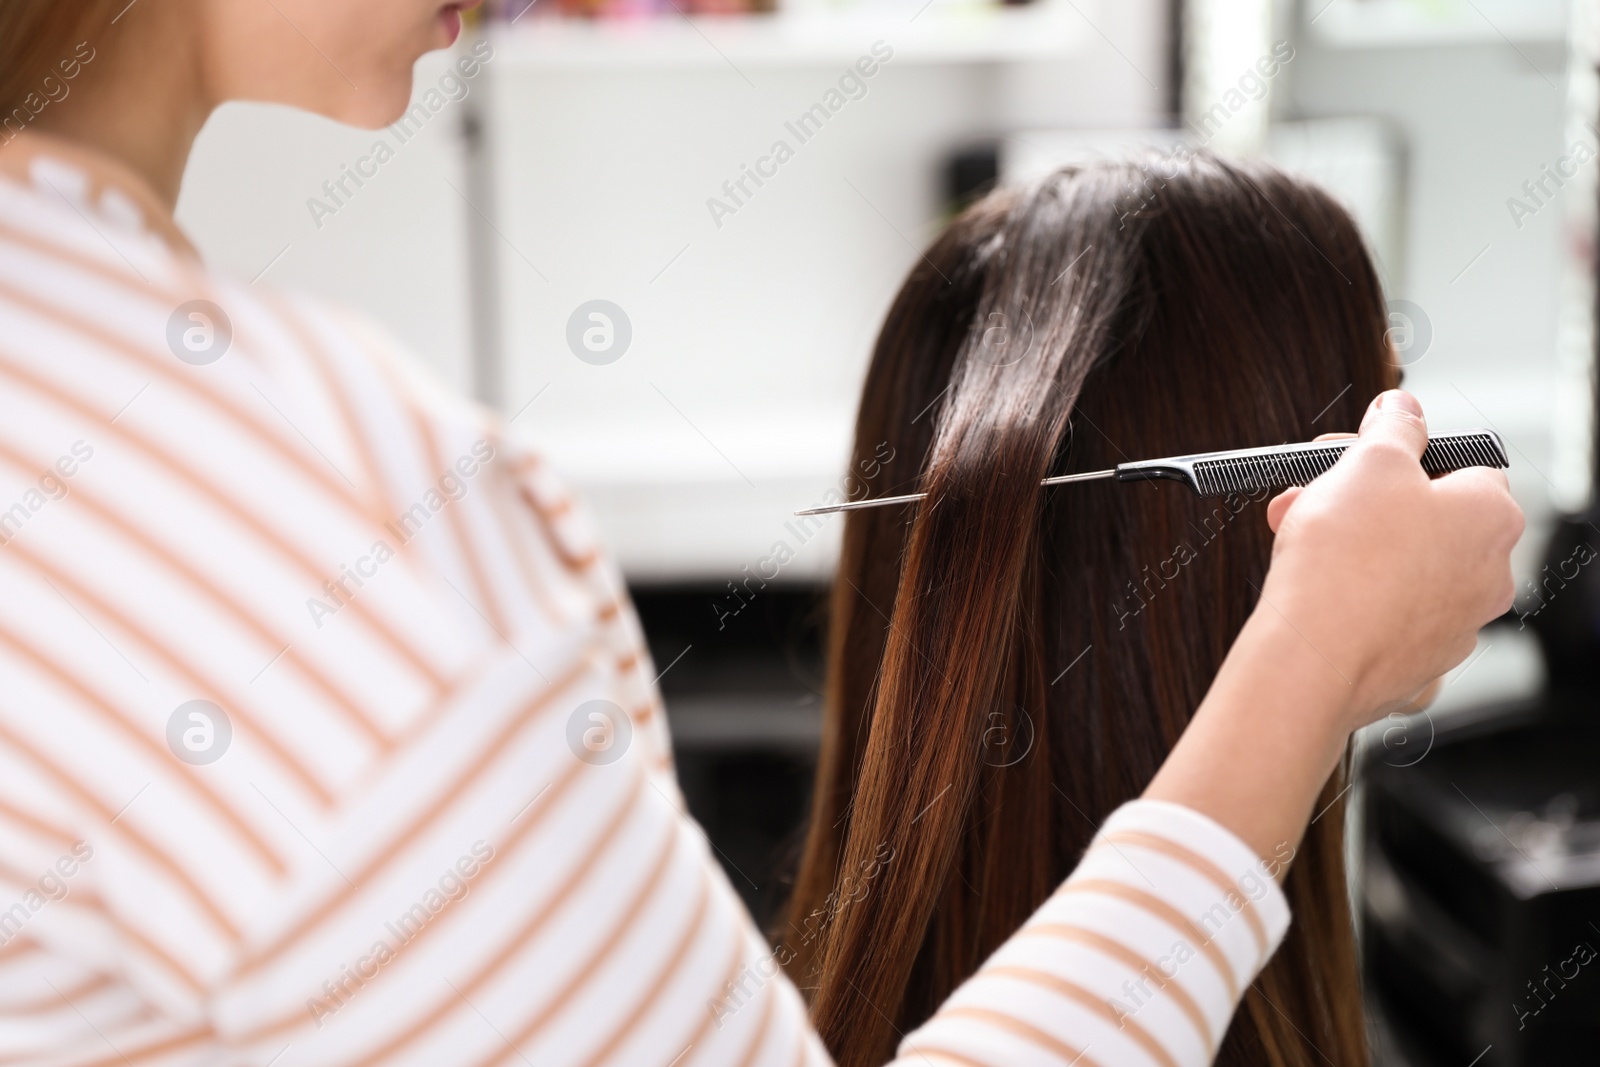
point(1514, 530)
point(1507, 597)
point(1408, 431)
point(1384, 452)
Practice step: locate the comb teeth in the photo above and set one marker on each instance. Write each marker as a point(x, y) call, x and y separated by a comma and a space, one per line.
point(1269, 470)
point(1464, 450)
point(1245, 474)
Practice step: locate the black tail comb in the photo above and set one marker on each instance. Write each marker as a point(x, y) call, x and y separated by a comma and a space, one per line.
point(1249, 470)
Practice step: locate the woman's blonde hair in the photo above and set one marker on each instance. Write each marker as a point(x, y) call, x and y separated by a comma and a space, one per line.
point(44, 45)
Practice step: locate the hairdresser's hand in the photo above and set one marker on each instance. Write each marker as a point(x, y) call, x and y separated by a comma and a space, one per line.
point(1380, 579)
point(1278, 507)
point(1386, 572)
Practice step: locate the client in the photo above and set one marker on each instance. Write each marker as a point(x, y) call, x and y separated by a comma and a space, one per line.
point(1008, 664)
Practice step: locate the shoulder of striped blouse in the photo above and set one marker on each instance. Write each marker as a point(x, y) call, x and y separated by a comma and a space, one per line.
point(533, 487)
point(421, 394)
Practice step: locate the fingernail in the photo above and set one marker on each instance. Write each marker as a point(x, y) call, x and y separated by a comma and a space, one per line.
point(1398, 400)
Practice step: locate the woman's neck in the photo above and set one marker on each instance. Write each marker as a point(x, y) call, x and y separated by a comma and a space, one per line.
point(142, 100)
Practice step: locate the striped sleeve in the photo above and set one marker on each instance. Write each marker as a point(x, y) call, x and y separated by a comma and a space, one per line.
point(1140, 957)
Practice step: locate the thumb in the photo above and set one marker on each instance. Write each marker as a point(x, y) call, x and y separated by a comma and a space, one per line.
point(1278, 507)
point(1395, 417)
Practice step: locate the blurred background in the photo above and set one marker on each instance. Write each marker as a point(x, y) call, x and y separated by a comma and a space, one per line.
point(597, 234)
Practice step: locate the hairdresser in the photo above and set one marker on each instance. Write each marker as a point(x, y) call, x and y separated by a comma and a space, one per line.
point(327, 734)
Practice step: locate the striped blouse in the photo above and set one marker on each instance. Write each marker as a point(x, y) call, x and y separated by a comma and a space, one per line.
point(328, 737)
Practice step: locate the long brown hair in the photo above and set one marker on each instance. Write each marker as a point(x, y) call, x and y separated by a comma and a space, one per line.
point(1008, 665)
point(39, 40)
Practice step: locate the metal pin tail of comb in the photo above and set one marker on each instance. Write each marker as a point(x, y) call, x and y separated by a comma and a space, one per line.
point(1248, 470)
